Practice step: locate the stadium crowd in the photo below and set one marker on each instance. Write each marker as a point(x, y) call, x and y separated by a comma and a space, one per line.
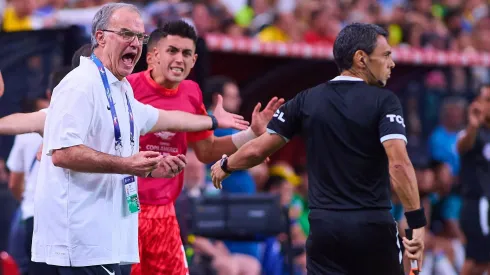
point(446, 24)
point(435, 109)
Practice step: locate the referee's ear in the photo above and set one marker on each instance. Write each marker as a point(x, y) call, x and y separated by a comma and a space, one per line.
point(359, 59)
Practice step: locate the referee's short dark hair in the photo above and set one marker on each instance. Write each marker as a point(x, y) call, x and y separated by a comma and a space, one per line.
point(354, 37)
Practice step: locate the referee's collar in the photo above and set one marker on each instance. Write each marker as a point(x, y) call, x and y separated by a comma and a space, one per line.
point(346, 78)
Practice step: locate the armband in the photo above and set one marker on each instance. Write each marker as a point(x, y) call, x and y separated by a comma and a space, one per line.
point(242, 137)
point(416, 219)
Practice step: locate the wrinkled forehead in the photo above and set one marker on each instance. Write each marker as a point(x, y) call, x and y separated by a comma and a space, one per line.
point(127, 18)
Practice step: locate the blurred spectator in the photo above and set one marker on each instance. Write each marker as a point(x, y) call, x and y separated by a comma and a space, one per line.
point(239, 181)
point(281, 29)
point(260, 175)
point(274, 249)
point(442, 141)
point(202, 21)
point(300, 200)
point(230, 28)
point(19, 16)
point(194, 176)
point(324, 28)
point(209, 255)
point(223, 262)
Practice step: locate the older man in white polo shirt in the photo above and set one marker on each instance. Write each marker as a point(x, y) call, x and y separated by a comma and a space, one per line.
point(86, 201)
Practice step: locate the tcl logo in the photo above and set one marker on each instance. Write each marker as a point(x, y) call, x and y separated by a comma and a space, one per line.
point(396, 118)
point(279, 116)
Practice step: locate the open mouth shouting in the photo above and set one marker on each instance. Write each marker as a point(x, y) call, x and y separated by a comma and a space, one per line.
point(129, 59)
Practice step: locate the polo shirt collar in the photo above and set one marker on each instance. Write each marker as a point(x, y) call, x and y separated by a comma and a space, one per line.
point(346, 78)
point(110, 76)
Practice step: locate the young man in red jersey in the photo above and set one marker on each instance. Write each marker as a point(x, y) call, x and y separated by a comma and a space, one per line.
point(163, 85)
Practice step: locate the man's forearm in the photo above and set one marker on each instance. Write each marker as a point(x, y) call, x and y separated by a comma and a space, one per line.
point(178, 121)
point(405, 185)
point(21, 123)
point(84, 159)
point(213, 148)
point(467, 141)
point(248, 156)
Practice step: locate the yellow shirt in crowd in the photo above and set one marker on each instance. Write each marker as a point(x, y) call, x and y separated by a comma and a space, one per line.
point(12, 23)
point(273, 34)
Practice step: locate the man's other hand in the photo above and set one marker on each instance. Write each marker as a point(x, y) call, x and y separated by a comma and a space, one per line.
point(142, 163)
point(170, 166)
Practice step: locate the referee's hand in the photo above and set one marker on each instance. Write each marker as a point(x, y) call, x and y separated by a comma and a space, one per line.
point(218, 175)
point(414, 248)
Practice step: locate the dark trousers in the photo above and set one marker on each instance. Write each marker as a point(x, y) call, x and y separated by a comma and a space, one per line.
point(353, 242)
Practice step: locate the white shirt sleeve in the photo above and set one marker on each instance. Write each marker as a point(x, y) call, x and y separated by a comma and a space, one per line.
point(146, 115)
point(70, 115)
point(15, 161)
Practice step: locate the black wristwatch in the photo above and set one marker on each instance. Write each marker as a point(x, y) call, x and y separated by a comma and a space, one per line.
point(215, 122)
point(224, 165)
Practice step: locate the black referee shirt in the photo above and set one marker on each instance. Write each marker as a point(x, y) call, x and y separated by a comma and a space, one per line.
point(344, 122)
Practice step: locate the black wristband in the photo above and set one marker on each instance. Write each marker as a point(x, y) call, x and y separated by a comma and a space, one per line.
point(215, 122)
point(416, 219)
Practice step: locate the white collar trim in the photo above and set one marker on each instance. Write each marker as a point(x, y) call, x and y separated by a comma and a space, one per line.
point(346, 78)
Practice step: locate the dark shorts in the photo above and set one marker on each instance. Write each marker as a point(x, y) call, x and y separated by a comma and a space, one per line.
point(477, 244)
point(353, 242)
point(108, 269)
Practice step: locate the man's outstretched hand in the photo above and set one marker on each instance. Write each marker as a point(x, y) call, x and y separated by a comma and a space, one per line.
point(260, 119)
point(226, 119)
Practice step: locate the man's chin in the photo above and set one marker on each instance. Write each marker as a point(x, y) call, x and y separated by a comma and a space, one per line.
point(174, 79)
point(125, 71)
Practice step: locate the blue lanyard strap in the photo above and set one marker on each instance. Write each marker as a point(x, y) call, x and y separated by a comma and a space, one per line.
point(117, 129)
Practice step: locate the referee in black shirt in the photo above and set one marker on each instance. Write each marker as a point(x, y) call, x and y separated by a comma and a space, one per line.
point(355, 137)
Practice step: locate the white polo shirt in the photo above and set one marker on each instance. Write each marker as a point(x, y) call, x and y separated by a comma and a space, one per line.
point(22, 159)
point(81, 219)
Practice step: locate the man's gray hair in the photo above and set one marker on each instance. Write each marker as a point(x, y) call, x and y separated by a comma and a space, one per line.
point(103, 16)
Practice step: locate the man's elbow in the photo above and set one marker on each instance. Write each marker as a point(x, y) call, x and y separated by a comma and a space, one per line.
point(59, 158)
point(402, 166)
